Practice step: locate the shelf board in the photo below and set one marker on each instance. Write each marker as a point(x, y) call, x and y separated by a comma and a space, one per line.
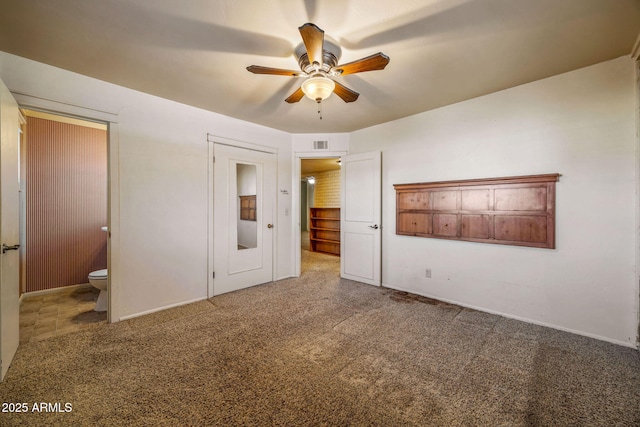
point(324, 229)
point(325, 240)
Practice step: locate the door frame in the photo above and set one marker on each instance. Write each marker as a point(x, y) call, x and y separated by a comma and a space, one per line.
point(295, 198)
point(113, 182)
point(10, 118)
point(213, 139)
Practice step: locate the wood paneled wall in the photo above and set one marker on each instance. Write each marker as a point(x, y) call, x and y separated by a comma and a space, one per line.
point(66, 203)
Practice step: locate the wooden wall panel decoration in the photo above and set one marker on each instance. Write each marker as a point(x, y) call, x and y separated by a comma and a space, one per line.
point(248, 208)
point(507, 211)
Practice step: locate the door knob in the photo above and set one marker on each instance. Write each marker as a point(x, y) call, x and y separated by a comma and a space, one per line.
point(269, 225)
point(6, 248)
point(374, 226)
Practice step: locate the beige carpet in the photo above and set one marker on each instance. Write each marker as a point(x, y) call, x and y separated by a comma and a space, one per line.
point(323, 351)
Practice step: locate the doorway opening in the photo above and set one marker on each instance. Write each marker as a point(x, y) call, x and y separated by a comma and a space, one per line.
point(320, 183)
point(64, 178)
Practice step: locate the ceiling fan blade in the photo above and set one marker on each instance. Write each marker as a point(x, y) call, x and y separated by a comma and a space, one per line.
point(313, 38)
point(345, 93)
point(295, 96)
point(374, 62)
point(258, 69)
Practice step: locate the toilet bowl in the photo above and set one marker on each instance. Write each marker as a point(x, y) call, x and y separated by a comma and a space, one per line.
point(98, 279)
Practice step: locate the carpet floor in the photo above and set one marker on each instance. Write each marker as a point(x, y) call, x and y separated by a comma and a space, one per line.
point(320, 350)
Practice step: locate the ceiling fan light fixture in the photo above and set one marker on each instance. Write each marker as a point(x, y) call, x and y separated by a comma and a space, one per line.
point(318, 87)
point(318, 58)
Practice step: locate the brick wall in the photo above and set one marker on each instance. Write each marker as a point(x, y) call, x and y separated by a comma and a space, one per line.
point(327, 189)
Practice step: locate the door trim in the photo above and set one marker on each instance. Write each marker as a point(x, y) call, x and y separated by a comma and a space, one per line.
point(295, 199)
point(211, 141)
point(113, 179)
point(32, 102)
point(241, 144)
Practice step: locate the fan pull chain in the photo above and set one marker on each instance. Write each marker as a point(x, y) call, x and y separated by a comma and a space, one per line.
point(319, 101)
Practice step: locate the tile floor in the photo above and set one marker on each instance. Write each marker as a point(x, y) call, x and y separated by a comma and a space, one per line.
point(59, 313)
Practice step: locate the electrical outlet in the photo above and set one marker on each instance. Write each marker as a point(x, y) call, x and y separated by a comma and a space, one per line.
point(427, 273)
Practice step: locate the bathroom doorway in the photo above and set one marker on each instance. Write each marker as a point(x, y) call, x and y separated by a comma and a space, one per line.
point(64, 215)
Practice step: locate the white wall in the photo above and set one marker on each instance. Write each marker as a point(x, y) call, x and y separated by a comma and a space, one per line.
point(303, 142)
point(581, 125)
point(163, 182)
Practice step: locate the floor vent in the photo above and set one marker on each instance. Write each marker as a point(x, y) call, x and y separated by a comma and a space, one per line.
point(320, 145)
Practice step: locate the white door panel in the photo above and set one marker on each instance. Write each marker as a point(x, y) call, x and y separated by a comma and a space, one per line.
point(364, 246)
point(243, 244)
point(359, 196)
point(9, 231)
point(360, 243)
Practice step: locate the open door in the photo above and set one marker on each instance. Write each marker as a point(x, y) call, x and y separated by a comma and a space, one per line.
point(360, 242)
point(9, 229)
point(244, 204)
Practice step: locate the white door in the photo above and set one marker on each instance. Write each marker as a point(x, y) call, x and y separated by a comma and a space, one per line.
point(243, 214)
point(360, 243)
point(9, 262)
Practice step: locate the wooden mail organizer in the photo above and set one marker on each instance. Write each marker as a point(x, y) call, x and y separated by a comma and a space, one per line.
point(507, 211)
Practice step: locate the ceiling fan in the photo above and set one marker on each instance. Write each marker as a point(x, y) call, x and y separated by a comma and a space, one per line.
point(318, 59)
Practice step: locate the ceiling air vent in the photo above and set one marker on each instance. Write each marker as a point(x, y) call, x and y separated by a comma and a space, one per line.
point(320, 145)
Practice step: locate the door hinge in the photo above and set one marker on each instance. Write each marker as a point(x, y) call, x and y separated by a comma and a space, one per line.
point(214, 275)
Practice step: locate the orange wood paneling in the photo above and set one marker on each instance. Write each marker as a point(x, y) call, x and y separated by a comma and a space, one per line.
point(66, 203)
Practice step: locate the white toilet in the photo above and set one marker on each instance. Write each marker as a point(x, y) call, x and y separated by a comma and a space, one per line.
point(98, 279)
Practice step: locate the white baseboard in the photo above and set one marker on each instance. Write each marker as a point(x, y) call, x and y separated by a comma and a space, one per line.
point(522, 319)
point(166, 307)
point(53, 290)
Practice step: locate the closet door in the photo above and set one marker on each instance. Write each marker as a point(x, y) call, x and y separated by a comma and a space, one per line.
point(244, 204)
point(360, 242)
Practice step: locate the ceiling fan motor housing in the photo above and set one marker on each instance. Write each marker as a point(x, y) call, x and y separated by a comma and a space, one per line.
point(331, 54)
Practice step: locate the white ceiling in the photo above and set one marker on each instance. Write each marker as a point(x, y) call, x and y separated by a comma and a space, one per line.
point(442, 51)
